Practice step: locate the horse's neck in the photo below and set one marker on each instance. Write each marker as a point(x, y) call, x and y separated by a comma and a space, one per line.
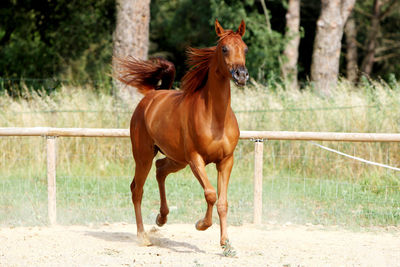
point(217, 94)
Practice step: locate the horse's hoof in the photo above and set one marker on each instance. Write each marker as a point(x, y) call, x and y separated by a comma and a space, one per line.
point(144, 240)
point(229, 251)
point(160, 222)
point(200, 226)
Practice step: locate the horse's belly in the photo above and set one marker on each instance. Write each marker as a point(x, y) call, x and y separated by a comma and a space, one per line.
point(170, 142)
point(172, 151)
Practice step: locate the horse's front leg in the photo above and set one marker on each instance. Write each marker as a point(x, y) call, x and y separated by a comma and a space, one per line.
point(198, 168)
point(224, 168)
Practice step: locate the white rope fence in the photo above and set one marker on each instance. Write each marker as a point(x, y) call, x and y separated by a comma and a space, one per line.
point(356, 158)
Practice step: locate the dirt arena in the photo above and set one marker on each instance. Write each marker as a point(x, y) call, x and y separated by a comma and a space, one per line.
point(182, 245)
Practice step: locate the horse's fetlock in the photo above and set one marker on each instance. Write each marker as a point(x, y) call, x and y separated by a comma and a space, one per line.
point(164, 211)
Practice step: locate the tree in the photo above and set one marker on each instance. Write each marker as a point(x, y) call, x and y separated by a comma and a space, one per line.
point(380, 10)
point(327, 43)
point(350, 30)
point(131, 36)
point(291, 51)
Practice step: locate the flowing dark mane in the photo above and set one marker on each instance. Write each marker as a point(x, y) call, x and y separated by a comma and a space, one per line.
point(199, 64)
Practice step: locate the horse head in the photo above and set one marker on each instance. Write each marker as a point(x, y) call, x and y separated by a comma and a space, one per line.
point(232, 53)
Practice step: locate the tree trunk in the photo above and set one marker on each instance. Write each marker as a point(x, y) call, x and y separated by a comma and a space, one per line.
point(351, 50)
point(291, 52)
point(372, 40)
point(327, 43)
point(131, 36)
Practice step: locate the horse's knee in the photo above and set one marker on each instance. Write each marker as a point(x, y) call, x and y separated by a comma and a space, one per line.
point(211, 196)
point(137, 193)
point(222, 208)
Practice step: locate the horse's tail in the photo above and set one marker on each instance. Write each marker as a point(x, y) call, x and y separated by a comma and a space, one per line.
point(146, 75)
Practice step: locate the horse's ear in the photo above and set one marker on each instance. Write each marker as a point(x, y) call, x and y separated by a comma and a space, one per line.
point(218, 28)
point(242, 28)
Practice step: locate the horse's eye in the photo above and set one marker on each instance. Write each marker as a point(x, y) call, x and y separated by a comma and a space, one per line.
point(246, 50)
point(224, 49)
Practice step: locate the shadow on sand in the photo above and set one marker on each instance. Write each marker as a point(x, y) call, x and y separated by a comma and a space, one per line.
point(155, 238)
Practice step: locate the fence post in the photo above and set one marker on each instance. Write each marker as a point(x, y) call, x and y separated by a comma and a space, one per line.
point(51, 179)
point(258, 176)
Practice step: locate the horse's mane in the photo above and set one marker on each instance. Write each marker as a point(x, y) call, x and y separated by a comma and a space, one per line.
point(199, 64)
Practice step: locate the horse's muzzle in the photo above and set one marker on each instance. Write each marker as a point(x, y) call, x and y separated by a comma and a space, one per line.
point(240, 75)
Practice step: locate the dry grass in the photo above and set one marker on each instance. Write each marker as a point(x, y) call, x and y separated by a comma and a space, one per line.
point(372, 108)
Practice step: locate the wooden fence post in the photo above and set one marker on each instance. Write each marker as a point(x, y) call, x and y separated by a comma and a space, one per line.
point(258, 176)
point(51, 179)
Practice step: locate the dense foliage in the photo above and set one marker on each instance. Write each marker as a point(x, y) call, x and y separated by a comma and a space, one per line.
point(73, 39)
point(175, 25)
point(386, 63)
point(44, 38)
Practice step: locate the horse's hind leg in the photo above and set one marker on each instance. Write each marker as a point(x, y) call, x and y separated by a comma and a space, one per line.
point(165, 166)
point(142, 147)
point(141, 171)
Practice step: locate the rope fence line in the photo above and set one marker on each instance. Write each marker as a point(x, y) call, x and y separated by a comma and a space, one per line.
point(236, 111)
point(251, 135)
point(355, 158)
point(258, 137)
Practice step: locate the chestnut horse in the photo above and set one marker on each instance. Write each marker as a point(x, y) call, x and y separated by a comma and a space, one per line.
point(193, 126)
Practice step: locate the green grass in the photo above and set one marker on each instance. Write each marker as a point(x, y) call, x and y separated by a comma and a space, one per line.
point(85, 199)
point(302, 183)
point(94, 192)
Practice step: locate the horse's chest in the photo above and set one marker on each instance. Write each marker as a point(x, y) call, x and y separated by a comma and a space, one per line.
point(215, 137)
point(215, 148)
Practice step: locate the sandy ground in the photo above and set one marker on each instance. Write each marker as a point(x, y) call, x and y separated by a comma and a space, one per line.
point(182, 245)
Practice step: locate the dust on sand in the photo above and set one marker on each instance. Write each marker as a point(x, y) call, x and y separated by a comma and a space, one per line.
point(182, 245)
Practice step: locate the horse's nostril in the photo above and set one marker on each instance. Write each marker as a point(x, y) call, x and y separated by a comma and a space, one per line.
point(240, 73)
point(236, 74)
point(243, 74)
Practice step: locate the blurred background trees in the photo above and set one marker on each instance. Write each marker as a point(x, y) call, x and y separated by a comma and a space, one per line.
point(73, 40)
point(64, 38)
point(291, 50)
point(328, 43)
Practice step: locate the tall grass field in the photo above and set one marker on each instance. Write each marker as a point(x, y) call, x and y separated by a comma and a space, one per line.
point(302, 183)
